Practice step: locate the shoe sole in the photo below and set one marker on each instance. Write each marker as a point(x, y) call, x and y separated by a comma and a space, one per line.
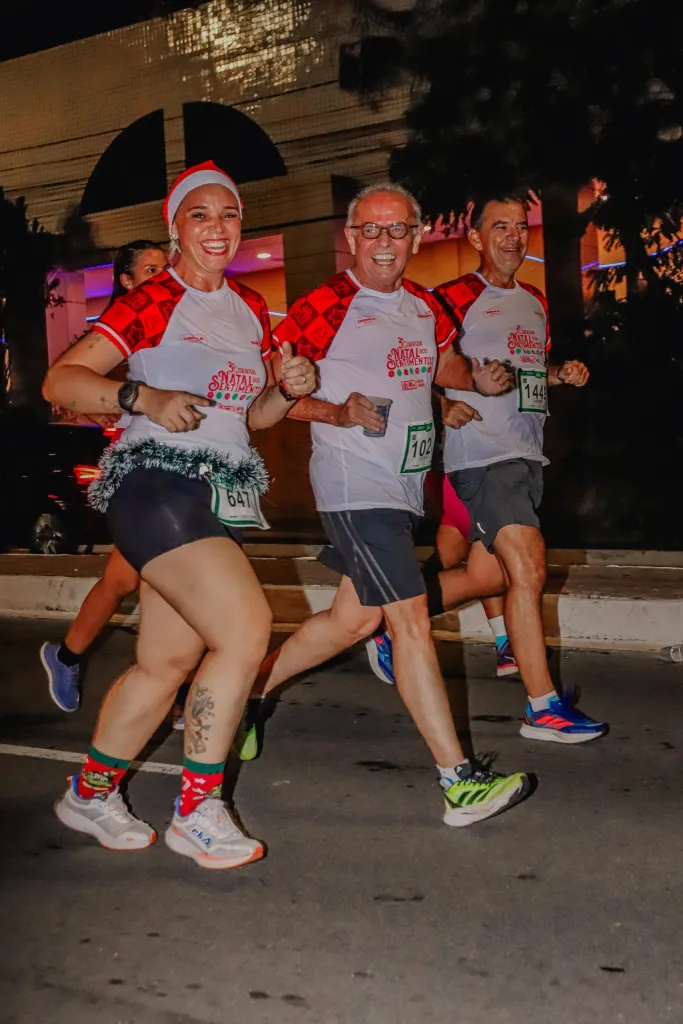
point(78, 824)
point(508, 670)
point(179, 844)
point(460, 818)
point(532, 732)
point(373, 658)
point(178, 726)
point(50, 679)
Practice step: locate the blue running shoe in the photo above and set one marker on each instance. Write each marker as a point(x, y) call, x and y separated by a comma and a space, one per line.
point(506, 664)
point(381, 657)
point(561, 722)
point(63, 679)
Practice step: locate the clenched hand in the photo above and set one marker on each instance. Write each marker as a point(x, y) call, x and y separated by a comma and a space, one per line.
point(457, 414)
point(494, 378)
point(173, 410)
point(358, 411)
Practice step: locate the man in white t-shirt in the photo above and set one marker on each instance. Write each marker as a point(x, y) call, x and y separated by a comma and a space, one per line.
point(495, 460)
point(371, 332)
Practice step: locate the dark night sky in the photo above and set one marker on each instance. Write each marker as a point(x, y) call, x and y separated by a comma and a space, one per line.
point(31, 27)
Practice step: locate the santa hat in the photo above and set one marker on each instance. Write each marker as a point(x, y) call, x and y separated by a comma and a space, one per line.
point(202, 174)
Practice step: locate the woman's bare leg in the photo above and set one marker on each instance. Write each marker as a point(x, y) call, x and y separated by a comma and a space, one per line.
point(137, 703)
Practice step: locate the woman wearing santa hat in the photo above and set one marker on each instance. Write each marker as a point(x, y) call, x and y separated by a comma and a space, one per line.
point(178, 487)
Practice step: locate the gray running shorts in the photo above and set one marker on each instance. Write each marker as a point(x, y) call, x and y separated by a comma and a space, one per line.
point(503, 494)
point(375, 548)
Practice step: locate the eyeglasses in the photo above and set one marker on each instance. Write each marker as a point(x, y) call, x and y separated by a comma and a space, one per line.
point(371, 230)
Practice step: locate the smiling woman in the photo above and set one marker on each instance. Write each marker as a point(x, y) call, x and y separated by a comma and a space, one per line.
point(178, 487)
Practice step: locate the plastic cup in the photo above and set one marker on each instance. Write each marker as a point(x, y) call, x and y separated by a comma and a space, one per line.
point(382, 405)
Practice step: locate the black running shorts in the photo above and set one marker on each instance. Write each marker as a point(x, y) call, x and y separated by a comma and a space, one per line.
point(503, 494)
point(375, 548)
point(154, 511)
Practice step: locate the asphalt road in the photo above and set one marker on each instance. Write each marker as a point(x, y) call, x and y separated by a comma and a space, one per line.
point(367, 910)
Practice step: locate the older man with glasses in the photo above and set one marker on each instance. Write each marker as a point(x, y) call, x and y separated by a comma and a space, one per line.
point(379, 341)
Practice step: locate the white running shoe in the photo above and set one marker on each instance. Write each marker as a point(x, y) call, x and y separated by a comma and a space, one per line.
point(210, 837)
point(106, 818)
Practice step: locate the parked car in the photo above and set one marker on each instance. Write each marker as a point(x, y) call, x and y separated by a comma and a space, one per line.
point(45, 470)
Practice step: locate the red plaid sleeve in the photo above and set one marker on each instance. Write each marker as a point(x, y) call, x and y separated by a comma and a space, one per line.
point(139, 318)
point(314, 319)
point(538, 294)
point(444, 330)
point(457, 296)
point(257, 304)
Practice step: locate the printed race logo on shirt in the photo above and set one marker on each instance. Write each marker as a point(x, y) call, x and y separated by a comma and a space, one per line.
point(493, 312)
point(412, 361)
point(526, 345)
point(197, 339)
point(234, 384)
point(365, 321)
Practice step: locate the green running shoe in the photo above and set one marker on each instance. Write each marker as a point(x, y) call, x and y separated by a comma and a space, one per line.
point(481, 794)
point(247, 737)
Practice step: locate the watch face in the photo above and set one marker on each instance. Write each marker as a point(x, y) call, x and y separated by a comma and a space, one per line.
point(128, 392)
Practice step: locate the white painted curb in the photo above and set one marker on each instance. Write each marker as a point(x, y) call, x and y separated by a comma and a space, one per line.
point(571, 620)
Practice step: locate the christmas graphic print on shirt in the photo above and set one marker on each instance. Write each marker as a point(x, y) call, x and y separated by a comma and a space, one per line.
point(211, 344)
point(383, 345)
point(509, 324)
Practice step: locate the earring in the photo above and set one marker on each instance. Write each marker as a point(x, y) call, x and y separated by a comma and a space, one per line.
point(174, 247)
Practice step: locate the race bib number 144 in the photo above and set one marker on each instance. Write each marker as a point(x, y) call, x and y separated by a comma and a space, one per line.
point(532, 391)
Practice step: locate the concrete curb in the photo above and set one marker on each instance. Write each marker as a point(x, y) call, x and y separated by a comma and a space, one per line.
point(572, 619)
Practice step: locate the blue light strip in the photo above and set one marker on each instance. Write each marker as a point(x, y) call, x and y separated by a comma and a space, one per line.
point(596, 265)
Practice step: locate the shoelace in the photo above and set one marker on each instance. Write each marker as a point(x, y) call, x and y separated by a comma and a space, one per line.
point(482, 775)
point(117, 809)
point(214, 812)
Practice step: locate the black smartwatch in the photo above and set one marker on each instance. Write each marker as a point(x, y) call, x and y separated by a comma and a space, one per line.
point(285, 393)
point(128, 395)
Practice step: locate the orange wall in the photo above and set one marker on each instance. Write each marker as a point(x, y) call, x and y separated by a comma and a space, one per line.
point(271, 285)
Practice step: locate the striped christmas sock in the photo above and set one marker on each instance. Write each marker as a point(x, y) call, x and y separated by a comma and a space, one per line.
point(100, 774)
point(200, 781)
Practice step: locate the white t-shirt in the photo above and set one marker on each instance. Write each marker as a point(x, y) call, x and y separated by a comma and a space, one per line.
point(383, 345)
point(212, 344)
point(509, 324)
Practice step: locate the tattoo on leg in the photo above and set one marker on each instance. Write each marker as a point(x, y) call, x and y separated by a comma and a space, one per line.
point(197, 725)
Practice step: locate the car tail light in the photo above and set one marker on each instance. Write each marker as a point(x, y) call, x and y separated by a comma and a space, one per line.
point(86, 474)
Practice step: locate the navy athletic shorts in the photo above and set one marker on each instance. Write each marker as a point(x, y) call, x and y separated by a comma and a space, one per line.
point(375, 548)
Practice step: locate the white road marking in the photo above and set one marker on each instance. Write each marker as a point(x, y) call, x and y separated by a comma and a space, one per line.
point(46, 754)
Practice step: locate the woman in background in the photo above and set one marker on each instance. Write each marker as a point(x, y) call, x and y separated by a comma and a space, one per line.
point(134, 263)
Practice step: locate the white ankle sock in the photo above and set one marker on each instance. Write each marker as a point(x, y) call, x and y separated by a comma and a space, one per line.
point(497, 625)
point(451, 775)
point(541, 703)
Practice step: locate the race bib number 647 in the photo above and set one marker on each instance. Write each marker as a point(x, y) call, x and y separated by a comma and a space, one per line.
point(237, 507)
point(532, 391)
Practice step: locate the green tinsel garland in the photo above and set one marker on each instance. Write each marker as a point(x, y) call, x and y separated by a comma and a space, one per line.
point(195, 463)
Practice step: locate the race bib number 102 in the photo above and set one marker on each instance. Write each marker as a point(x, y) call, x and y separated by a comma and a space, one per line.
point(532, 391)
point(419, 448)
